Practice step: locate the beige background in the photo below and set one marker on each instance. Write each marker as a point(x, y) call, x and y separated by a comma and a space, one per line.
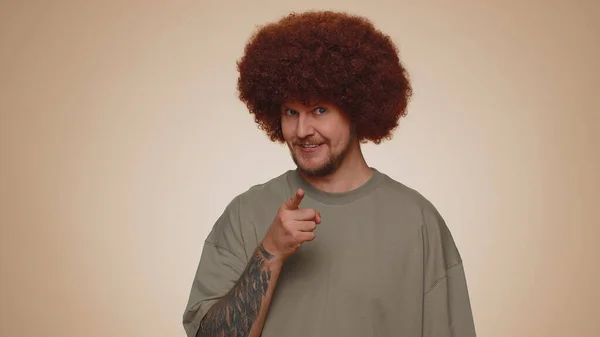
point(122, 140)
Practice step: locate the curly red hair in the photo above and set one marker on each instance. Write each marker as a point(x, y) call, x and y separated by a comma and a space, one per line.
point(328, 56)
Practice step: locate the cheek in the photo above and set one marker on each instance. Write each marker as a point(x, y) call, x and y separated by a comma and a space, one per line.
point(340, 139)
point(286, 132)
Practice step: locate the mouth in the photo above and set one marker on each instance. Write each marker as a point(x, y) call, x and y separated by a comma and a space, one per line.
point(310, 147)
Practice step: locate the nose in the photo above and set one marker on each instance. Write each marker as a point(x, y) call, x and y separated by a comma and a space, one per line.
point(304, 128)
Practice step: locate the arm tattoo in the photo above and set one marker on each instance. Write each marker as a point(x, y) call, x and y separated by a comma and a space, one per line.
point(234, 314)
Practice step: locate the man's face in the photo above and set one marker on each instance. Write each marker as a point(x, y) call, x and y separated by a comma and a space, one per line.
point(318, 135)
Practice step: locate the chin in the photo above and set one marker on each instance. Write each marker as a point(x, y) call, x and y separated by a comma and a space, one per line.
point(317, 166)
point(316, 170)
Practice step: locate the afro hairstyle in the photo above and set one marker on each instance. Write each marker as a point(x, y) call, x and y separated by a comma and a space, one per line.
point(324, 56)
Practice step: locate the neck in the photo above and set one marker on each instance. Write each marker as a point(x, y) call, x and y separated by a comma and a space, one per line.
point(352, 173)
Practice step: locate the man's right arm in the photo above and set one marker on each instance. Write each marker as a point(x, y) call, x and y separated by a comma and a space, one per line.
point(243, 310)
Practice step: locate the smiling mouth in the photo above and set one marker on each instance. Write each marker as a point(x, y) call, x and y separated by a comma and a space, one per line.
point(309, 147)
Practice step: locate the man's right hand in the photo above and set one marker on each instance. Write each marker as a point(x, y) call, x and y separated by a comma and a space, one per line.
point(291, 228)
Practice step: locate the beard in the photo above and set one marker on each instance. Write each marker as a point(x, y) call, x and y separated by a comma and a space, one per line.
point(330, 166)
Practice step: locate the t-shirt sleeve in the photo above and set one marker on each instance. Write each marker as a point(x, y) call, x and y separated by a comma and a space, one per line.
point(222, 261)
point(447, 308)
point(446, 304)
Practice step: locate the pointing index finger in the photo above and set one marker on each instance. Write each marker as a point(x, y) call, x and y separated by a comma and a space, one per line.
point(294, 202)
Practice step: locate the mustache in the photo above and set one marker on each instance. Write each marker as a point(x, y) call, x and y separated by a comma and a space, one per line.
point(311, 141)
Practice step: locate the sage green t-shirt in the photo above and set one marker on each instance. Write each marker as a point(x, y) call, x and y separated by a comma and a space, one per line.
point(383, 263)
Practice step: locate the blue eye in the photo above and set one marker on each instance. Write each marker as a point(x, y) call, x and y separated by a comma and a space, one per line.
point(321, 110)
point(290, 112)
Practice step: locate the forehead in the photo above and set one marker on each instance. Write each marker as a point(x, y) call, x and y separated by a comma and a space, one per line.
point(309, 105)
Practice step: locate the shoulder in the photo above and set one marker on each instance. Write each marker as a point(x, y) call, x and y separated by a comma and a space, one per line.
point(275, 190)
point(276, 186)
point(261, 198)
point(436, 233)
point(249, 206)
point(403, 195)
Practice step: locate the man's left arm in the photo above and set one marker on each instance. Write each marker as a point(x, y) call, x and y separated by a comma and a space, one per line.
point(446, 304)
point(447, 307)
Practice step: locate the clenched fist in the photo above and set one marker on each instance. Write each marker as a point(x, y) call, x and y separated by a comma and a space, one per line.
point(291, 227)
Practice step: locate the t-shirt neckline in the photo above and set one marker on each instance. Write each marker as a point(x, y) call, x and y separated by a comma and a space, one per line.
point(297, 181)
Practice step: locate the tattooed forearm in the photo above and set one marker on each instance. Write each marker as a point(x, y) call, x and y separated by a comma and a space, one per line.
point(235, 313)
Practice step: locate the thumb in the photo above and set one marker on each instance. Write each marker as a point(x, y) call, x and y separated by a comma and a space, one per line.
point(294, 202)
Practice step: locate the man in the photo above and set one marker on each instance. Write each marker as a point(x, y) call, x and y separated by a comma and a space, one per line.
point(333, 247)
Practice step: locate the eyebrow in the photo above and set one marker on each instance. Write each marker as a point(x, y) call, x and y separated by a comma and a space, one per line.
point(309, 107)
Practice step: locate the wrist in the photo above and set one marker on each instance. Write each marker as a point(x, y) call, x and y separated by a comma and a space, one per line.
point(270, 252)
